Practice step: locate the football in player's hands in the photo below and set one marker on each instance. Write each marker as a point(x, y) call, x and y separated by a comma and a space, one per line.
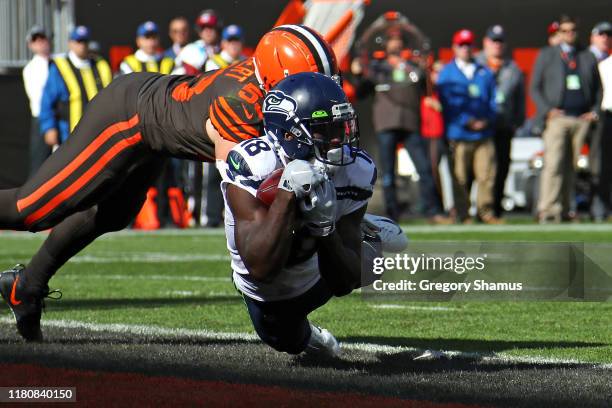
point(266, 193)
point(300, 177)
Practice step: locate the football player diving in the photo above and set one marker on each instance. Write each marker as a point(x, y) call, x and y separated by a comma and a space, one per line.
point(97, 181)
point(291, 257)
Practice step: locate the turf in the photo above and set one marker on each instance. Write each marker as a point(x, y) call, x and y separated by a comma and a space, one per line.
point(182, 280)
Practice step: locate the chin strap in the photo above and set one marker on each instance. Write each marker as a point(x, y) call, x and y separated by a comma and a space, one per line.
point(280, 152)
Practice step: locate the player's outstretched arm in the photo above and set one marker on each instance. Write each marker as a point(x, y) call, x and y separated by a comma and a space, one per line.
point(340, 254)
point(263, 235)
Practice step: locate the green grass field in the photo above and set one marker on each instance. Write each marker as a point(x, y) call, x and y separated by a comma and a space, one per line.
point(182, 280)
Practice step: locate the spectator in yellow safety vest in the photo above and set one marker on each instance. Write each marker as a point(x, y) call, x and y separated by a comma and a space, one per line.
point(74, 79)
point(147, 57)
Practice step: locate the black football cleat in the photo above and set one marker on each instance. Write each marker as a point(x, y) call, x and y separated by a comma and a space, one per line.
point(26, 309)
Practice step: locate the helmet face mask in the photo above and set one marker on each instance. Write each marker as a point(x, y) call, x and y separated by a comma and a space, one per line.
point(335, 141)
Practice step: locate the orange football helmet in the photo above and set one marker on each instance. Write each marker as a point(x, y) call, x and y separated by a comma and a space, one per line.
point(291, 49)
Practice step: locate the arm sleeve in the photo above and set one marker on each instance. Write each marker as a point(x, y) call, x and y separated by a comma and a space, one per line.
point(54, 91)
point(235, 120)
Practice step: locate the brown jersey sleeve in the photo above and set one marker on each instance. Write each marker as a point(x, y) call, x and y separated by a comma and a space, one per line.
point(234, 119)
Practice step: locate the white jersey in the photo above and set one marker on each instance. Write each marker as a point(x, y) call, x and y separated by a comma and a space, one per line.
point(248, 164)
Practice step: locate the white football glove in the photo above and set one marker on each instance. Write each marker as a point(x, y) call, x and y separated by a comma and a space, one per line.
point(300, 178)
point(319, 209)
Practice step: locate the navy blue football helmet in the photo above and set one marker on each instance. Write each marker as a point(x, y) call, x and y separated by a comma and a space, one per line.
point(308, 114)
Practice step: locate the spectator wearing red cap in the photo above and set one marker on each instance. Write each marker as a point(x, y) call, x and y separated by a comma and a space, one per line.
point(566, 88)
point(467, 93)
point(193, 57)
point(510, 100)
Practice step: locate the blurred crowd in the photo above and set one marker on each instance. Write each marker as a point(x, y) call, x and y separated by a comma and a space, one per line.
point(470, 108)
point(467, 110)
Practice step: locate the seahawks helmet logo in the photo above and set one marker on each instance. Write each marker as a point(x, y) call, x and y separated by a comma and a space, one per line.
point(279, 102)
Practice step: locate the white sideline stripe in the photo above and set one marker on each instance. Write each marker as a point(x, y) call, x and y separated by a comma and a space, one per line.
point(123, 233)
point(395, 306)
point(133, 257)
point(408, 228)
point(182, 293)
point(364, 347)
point(422, 229)
point(142, 330)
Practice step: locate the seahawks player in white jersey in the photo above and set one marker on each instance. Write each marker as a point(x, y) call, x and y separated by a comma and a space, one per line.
point(292, 257)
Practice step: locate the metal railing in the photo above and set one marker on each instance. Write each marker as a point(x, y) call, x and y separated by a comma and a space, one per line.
point(18, 16)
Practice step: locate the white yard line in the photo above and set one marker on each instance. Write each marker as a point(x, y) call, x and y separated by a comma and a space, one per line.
point(149, 257)
point(424, 229)
point(77, 276)
point(409, 307)
point(135, 257)
point(204, 334)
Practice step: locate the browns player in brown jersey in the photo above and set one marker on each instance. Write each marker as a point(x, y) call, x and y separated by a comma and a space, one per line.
point(97, 181)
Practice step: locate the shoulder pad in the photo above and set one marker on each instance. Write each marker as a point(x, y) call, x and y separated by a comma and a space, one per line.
point(363, 171)
point(355, 182)
point(250, 162)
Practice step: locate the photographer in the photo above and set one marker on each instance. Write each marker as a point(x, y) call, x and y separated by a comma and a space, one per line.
point(399, 85)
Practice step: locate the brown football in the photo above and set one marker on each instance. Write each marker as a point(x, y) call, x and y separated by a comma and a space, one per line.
point(266, 193)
